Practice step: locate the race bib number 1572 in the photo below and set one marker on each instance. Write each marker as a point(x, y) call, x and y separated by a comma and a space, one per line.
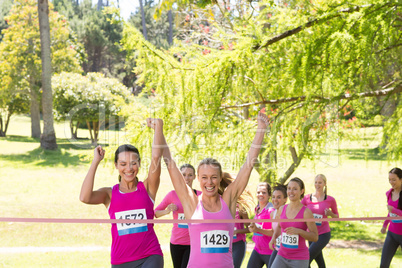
point(131, 228)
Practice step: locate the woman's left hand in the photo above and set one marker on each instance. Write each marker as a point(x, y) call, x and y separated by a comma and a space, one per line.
point(390, 208)
point(292, 231)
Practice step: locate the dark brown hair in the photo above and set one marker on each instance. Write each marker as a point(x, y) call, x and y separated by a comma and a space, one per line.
point(301, 184)
point(398, 173)
point(126, 148)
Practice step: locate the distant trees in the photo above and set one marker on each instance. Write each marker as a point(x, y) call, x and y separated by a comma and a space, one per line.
point(20, 55)
point(92, 100)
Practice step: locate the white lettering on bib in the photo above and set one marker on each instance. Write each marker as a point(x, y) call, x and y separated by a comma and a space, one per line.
point(131, 228)
point(216, 241)
point(318, 216)
point(181, 217)
point(395, 215)
point(258, 225)
point(290, 241)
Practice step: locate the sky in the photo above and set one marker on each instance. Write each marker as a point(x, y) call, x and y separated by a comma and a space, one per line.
point(126, 6)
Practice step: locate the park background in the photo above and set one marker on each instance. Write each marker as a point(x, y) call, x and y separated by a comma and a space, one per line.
point(327, 74)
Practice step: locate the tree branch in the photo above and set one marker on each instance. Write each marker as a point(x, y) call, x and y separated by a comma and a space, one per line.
point(312, 23)
point(318, 99)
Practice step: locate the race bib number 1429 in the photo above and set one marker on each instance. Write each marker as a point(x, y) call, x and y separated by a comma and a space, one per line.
point(216, 241)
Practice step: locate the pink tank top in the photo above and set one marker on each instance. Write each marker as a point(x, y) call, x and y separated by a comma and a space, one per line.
point(318, 209)
point(293, 247)
point(180, 235)
point(130, 241)
point(262, 241)
point(239, 226)
point(395, 226)
point(274, 225)
point(211, 243)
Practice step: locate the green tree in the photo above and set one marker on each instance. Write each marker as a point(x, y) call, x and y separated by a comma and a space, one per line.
point(158, 30)
point(92, 100)
point(303, 61)
point(20, 52)
point(100, 35)
point(48, 137)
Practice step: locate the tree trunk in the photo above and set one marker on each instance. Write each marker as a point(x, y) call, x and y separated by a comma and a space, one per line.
point(99, 5)
point(35, 114)
point(170, 39)
point(90, 131)
point(144, 27)
point(48, 138)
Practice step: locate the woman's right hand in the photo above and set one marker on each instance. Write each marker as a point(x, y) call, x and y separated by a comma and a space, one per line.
point(383, 230)
point(271, 244)
point(99, 154)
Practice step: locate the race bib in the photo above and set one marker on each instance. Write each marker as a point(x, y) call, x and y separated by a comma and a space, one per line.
point(234, 234)
point(216, 241)
point(182, 225)
point(278, 242)
point(131, 228)
point(395, 215)
point(258, 225)
point(290, 241)
point(318, 216)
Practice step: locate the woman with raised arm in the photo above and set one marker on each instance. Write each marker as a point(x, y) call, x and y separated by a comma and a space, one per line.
point(211, 243)
point(263, 230)
point(394, 206)
point(279, 199)
point(180, 238)
point(322, 206)
point(133, 244)
point(293, 251)
point(244, 204)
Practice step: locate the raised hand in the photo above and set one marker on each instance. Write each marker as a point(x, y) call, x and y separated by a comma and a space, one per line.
point(262, 119)
point(153, 122)
point(99, 154)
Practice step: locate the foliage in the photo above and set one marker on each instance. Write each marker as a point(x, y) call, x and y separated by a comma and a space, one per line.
point(92, 99)
point(100, 35)
point(5, 6)
point(157, 29)
point(304, 61)
point(20, 62)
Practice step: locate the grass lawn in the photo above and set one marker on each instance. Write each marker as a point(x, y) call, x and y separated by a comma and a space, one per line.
point(36, 183)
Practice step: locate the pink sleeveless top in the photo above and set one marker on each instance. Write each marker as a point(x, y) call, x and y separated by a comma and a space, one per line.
point(395, 226)
point(293, 247)
point(262, 241)
point(132, 241)
point(274, 225)
point(211, 243)
point(180, 235)
point(238, 226)
point(318, 209)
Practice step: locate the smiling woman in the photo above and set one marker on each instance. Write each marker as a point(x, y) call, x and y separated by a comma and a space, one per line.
point(132, 244)
point(211, 244)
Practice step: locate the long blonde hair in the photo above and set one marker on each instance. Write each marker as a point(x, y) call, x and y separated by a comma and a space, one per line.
point(322, 176)
point(245, 200)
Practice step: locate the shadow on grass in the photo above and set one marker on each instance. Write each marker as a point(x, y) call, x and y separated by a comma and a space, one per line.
point(355, 231)
point(363, 154)
point(67, 153)
point(40, 157)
